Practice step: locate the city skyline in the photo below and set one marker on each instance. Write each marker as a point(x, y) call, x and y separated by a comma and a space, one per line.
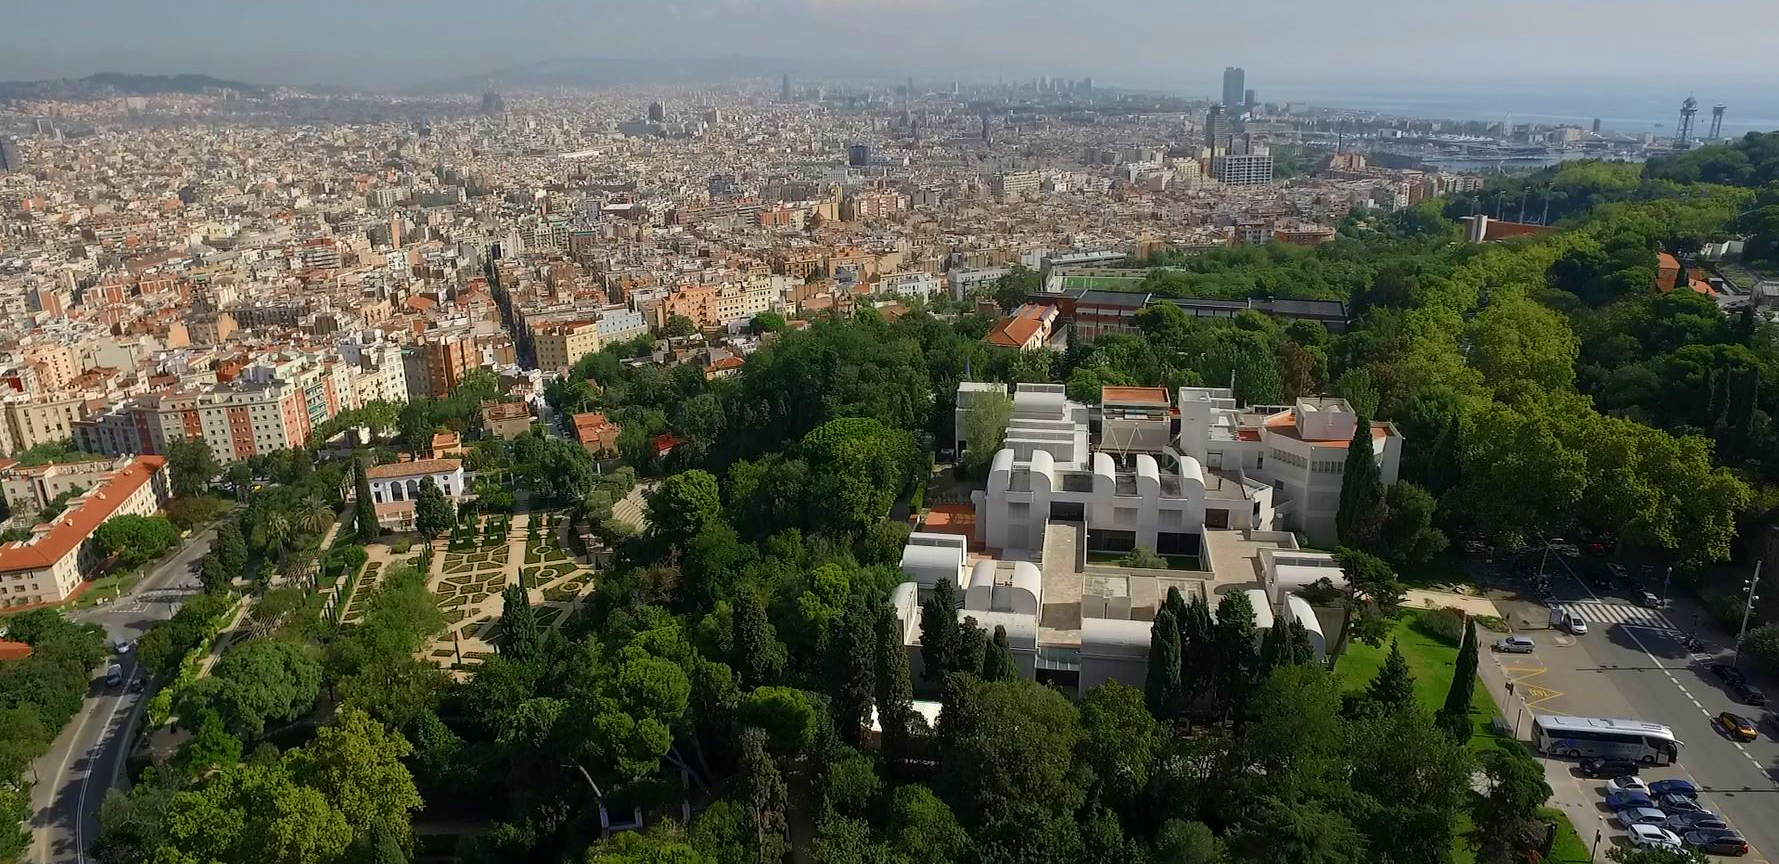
point(388, 46)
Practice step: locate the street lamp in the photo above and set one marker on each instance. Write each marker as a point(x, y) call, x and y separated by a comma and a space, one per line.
point(1665, 580)
point(1747, 606)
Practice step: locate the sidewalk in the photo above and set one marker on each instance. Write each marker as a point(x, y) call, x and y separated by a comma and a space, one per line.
point(1580, 804)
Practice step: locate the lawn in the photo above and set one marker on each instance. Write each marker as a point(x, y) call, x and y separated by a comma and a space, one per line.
point(1174, 562)
point(1431, 661)
point(1104, 283)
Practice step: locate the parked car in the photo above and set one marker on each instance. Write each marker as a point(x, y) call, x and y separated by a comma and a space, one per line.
point(1748, 693)
point(123, 646)
point(1608, 766)
point(1639, 816)
point(1727, 673)
point(137, 685)
point(1652, 601)
point(1515, 645)
point(1619, 572)
point(1678, 802)
point(1653, 837)
point(1628, 783)
point(1717, 841)
point(1629, 798)
point(1677, 784)
point(1737, 726)
point(1695, 820)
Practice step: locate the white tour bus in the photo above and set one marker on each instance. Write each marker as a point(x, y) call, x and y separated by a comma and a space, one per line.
point(1581, 737)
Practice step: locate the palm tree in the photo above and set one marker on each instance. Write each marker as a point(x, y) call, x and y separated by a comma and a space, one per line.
point(312, 516)
point(275, 530)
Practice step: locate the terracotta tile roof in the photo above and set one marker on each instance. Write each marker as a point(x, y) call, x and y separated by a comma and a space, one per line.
point(79, 521)
point(1016, 331)
point(413, 469)
point(10, 650)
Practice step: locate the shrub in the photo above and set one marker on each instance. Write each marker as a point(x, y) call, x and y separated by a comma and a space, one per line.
point(1727, 609)
point(1763, 645)
point(1445, 625)
point(354, 556)
point(1320, 592)
point(401, 547)
point(1144, 558)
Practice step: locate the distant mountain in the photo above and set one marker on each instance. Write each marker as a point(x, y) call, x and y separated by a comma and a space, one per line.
point(110, 85)
point(592, 72)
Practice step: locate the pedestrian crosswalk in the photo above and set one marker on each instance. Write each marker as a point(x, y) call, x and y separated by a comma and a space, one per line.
point(1603, 612)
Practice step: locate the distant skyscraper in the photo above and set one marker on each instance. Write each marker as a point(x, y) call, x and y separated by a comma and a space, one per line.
point(1596, 125)
point(10, 160)
point(987, 136)
point(492, 104)
point(1211, 117)
point(858, 155)
point(784, 88)
point(1250, 98)
point(911, 85)
point(1087, 84)
point(1234, 80)
point(657, 113)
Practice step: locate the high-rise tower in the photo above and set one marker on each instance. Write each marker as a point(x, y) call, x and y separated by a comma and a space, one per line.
point(1234, 83)
point(1211, 118)
point(1683, 134)
point(784, 88)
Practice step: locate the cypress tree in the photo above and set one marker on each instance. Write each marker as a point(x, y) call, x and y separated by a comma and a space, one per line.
point(763, 797)
point(759, 656)
point(519, 630)
point(1299, 650)
point(1274, 651)
point(365, 509)
point(895, 692)
point(1361, 491)
point(997, 658)
point(940, 635)
point(1394, 686)
point(1455, 715)
point(1197, 649)
point(852, 671)
point(1234, 651)
point(1161, 688)
point(231, 548)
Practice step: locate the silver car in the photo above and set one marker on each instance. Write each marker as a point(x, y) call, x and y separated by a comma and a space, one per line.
point(1639, 816)
point(1515, 645)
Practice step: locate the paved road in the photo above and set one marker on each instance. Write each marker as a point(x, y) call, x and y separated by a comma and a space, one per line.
point(1632, 664)
point(87, 758)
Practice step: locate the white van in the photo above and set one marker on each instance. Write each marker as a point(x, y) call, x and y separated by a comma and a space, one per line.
point(1563, 619)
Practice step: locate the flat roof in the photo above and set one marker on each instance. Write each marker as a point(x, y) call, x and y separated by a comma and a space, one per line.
point(1135, 395)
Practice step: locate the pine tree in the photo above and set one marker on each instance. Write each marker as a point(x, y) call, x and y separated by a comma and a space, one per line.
point(759, 656)
point(895, 691)
point(762, 796)
point(940, 635)
point(1394, 686)
point(852, 671)
point(997, 658)
point(1361, 492)
point(1161, 688)
point(366, 507)
point(1455, 715)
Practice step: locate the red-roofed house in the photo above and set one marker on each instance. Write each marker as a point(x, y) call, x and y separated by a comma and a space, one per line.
point(1027, 328)
point(49, 566)
point(596, 433)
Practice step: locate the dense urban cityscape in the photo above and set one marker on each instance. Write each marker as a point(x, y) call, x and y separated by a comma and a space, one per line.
point(846, 469)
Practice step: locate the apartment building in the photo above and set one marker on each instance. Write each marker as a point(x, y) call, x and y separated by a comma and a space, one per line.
point(1014, 185)
point(238, 420)
point(443, 358)
point(56, 559)
point(505, 420)
point(30, 488)
point(559, 345)
point(922, 285)
point(1242, 169)
point(29, 420)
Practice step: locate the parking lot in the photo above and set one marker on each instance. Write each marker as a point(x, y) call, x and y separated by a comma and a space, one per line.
point(1632, 663)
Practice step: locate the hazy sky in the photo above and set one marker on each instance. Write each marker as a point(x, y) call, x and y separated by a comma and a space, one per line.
point(1175, 44)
